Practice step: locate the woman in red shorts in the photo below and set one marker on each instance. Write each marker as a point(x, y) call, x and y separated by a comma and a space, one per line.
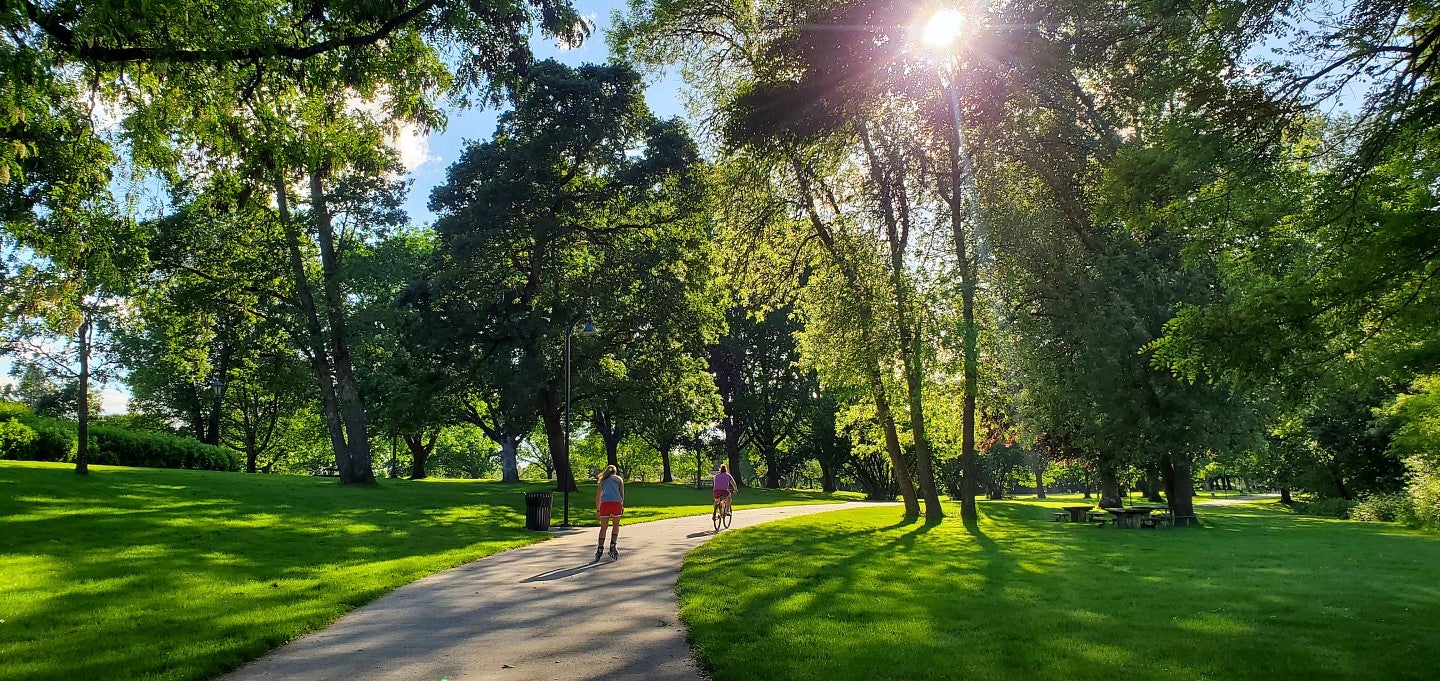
point(724, 487)
point(609, 505)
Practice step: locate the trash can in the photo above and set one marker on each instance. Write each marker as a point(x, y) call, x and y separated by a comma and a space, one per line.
point(537, 511)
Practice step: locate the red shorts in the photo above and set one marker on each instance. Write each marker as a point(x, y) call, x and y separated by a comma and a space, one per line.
point(609, 509)
point(722, 494)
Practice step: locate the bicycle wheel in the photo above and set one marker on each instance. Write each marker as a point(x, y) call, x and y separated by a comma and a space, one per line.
point(718, 517)
point(725, 519)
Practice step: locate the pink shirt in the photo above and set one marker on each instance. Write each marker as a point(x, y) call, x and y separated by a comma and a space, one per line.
point(723, 481)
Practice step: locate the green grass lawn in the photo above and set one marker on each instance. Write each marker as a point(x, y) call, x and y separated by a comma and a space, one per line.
point(158, 574)
point(1256, 593)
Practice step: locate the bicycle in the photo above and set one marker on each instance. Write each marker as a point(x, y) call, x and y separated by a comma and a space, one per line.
point(719, 516)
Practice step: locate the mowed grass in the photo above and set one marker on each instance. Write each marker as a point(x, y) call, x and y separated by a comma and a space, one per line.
point(142, 573)
point(1257, 593)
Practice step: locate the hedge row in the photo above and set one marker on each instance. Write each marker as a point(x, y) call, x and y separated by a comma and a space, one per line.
point(33, 438)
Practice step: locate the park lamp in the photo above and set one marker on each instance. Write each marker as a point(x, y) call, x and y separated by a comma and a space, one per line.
point(587, 329)
point(216, 385)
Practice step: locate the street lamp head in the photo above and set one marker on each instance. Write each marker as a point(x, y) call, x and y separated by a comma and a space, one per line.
point(589, 326)
point(943, 29)
point(216, 385)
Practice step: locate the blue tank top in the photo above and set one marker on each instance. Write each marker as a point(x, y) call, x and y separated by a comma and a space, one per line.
point(610, 489)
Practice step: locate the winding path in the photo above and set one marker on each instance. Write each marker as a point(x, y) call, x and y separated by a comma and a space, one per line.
point(543, 611)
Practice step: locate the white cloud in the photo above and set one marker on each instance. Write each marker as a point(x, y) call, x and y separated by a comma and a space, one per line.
point(413, 145)
point(114, 400)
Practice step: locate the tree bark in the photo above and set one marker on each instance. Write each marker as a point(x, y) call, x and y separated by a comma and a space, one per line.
point(1179, 490)
point(666, 475)
point(611, 435)
point(1039, 473)
point(420, 449)
point(733, 432)
point(1109, 488)
point(827, 477)
point(509, 458)
point(907, 327)
point(311, 334)
point(968, 274)
point(1153, 484)
point(1285, 496)
point(352, 409)
point(550, 414)
point(892, 445)
point(82, 407)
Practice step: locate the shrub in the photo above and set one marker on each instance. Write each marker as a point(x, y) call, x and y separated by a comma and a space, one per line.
point(13, 410)
point(54, 440)
point(1386, 508)
point(1326, 507)
point(16, 439)
point(120, 447)
point(1424, 493)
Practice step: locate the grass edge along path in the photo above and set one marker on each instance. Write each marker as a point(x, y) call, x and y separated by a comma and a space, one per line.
point(164, 574)
point(1257, 593)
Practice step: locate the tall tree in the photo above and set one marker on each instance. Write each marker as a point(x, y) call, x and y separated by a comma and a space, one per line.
point(583, 205)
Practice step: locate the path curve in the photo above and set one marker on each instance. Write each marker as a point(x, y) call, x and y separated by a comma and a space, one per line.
point(543, 611)
point(1235, 500)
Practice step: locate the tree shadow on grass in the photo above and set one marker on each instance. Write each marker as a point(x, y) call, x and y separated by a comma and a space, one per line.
point(1009, 596)
point(148, 577)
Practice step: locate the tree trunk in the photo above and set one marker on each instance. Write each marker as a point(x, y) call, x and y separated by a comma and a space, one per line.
point(311, 335)
point(733, 433)
point(1153, 484)
point(352, 409)
point(1179, 490)
point(252, 453)
point(611, 434)
point(907, 328)
point(666, 475)
point(1285, 496)
point(509, 458)
point(82, 408)
point(1039, 473)
point(962, 176)
point(556, 440)
point(892, 445)
point(827, 477)
point(772, 468)
point(420, 448)
point(1109, 488)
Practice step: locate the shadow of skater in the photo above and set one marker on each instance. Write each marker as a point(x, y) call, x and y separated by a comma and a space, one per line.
point(561, 573)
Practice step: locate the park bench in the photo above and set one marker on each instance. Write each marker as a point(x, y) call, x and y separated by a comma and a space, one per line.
point(1061, 516)
point(1158, 518)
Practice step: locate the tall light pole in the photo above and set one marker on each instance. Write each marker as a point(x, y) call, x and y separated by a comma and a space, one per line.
point(569, 332)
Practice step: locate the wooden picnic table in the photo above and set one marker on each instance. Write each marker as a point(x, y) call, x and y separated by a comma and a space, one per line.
point(1129, 518)
point(1077, 513)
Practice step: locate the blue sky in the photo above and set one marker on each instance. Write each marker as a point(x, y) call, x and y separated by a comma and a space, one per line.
point(444, 147)
point(441, 148)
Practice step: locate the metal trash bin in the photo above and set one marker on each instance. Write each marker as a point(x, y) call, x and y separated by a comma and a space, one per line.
point(537, 511)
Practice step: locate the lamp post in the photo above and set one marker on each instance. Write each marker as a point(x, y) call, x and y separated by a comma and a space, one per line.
point(589, 328)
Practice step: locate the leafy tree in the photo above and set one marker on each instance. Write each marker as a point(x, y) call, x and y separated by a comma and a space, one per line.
point(583, 205)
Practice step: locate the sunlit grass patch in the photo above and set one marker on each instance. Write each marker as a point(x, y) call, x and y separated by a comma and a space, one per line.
point(165, 574)
point(1255, 593)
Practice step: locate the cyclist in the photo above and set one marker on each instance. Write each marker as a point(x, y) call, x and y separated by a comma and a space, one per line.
point(609, 506)
point(724, 487)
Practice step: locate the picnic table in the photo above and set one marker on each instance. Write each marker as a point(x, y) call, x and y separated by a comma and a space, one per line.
point(1077, 513)
point(1129, 518)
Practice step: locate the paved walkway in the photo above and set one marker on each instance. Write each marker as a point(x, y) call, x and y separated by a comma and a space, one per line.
point(1205, 501)
point(543, 611)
